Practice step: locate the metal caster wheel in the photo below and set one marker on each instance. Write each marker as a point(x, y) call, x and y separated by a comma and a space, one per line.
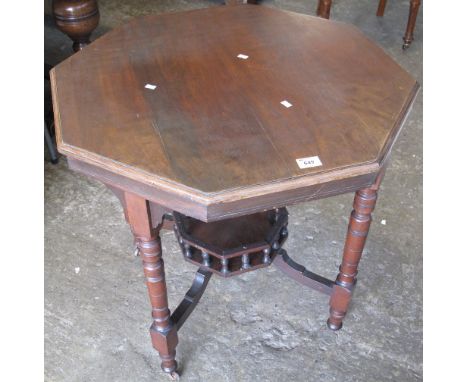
point(174, 376)
point(334, 327)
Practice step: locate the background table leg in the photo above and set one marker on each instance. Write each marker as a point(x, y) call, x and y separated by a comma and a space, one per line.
point(323, 8)
point(381, 8)
point(163, 331)
point(364, 203)
point(413, 14)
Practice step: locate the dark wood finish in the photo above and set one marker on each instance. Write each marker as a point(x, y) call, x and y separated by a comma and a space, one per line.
point(234, 266)
point(212, 141)
point(255, 199)
point(163, 331)
point(230, 237)
point(381, 8)
point(359, 224)
point(77, 19)
point(300, 274)
point(232, 246)
point(323, 10)
point(244, 141)
point(413, 15)
point(191, 298)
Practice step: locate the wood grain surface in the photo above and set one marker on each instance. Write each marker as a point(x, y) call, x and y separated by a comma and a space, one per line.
point(214, 127)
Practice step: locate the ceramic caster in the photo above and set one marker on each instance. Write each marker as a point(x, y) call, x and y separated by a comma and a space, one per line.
point(136, 252)
point(174, 376)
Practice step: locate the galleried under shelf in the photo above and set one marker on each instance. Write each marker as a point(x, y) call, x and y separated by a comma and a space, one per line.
point(232, 246)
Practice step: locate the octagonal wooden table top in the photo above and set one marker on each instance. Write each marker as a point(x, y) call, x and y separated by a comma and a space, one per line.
point(229, 103)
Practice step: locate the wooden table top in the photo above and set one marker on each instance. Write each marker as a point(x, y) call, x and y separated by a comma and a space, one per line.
point(167, 103)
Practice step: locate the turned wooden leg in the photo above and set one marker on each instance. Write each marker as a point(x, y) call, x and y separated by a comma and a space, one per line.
point(381, 8)
point(413, 14)
point(359, 223)
point(163, 331)
point(323, 8)
point(77, 19)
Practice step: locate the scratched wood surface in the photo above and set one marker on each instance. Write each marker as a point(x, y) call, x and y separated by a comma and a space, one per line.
point(215, 122)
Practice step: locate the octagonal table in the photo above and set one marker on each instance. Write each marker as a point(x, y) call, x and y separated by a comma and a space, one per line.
point(212, 121)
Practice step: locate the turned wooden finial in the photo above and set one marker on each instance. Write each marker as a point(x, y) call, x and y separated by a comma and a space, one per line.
point(77, 19)
point(206, 259)
point(225, 265)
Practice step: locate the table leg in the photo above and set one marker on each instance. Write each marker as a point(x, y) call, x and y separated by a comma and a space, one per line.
point(381, 8)
point(413, 14)
point(50, 145)
point(359, 223)
point(163, 331)
point(323, 8)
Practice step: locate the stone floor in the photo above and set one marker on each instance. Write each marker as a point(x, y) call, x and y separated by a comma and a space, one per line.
point(259, 326)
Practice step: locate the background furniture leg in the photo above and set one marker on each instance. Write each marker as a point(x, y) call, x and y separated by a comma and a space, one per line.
point(381, 8)
point(323, 8)
point(413, 14)
point(77, 19)
point(359, 223)
point(50, 145)
point(163, 331)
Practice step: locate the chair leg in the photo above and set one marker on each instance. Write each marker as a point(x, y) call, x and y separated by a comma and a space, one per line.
point(323, 8)
point(413, 14)
point(50, 145)
point(381, 9)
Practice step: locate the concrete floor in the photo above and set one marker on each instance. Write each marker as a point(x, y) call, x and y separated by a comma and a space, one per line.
point(259, 326)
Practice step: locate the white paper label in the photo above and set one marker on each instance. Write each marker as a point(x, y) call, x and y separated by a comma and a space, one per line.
point(286, 104)
point(150, 86)
point(309, 162)
point(242, 56)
